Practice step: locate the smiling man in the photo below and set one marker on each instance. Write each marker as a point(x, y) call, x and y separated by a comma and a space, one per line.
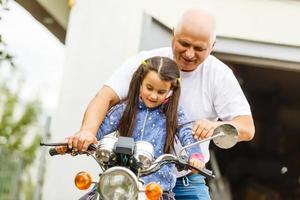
point(193, 39)
point(209, 92)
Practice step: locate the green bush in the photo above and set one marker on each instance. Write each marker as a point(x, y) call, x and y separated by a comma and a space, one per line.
point(19, 133)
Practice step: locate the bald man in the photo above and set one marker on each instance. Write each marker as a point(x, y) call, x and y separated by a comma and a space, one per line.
point(210, 92)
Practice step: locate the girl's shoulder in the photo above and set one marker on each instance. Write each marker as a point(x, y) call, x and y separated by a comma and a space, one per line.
point(120, 107)
point(180, 111)
point(182, 116)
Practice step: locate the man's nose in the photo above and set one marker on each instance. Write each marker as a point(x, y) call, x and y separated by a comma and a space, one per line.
point(190, 53)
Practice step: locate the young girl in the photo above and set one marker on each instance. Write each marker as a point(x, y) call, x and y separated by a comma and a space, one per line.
point(150, 113)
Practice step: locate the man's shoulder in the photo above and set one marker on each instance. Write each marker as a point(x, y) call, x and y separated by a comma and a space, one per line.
point(163, 51)
point(214, 64)
point(136, 59)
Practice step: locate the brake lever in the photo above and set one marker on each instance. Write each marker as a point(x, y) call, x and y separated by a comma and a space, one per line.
point(159, 162)
point(156, 166)
point(183, 165)
point(54, 144)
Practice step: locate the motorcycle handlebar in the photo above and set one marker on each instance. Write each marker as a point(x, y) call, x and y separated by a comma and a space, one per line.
point(181, 162)
point(205, 172)
point(53, 151)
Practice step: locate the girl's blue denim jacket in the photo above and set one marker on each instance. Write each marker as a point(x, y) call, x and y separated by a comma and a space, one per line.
point(151, 127)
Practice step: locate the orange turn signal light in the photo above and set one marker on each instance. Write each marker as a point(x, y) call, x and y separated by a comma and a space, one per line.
point(153, 191)
point(83, 180)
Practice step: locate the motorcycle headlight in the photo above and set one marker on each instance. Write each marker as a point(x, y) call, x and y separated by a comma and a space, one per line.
point(118, 183)
point(144, 153)
point(105, 149)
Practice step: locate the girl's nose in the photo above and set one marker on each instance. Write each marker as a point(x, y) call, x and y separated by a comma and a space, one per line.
point(153, 96)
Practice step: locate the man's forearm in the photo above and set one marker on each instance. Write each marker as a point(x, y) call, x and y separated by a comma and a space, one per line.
point(245, 126)
point(94, 116)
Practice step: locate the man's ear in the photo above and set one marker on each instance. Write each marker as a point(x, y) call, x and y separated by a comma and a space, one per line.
point(214, 44)
point(173, 31)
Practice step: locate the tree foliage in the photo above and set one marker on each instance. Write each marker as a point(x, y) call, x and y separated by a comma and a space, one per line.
point(19, 130)
point(17, 120)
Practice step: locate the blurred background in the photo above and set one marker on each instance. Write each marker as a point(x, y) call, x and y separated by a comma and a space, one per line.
point(55, 55)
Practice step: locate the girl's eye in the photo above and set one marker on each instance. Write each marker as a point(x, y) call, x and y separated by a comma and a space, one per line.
point(161, 92)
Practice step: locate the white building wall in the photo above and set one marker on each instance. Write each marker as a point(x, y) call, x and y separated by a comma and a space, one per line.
point(58, 9)
point(101, 35)
point(270, 21)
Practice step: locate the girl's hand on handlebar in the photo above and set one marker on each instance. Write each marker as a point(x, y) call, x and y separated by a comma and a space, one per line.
point(197, 160)
point(196, 163)
point(81, 140)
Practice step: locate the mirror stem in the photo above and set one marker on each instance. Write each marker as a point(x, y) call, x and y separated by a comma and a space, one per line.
point(201, 141)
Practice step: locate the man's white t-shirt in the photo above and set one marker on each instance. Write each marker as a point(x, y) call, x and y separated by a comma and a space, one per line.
point(210, 92)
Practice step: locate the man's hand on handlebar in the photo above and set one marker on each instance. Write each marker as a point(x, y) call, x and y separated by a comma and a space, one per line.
point(62, 149)
point(204, 128)
point(81, 140)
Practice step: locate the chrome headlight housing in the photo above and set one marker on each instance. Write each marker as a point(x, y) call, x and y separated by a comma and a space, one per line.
point(144, 153)
point(106, 149)
point(118, 183)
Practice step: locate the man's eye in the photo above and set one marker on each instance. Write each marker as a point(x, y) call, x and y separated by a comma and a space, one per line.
point(199, 49)
point(184, 44)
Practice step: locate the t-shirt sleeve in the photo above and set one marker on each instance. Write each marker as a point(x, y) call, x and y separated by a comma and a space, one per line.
point(229, 99)
point(121, 78)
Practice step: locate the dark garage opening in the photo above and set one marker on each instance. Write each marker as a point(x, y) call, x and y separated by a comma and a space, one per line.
point(268, 167)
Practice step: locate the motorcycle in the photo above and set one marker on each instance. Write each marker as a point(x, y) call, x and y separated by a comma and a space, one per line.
point(123, 162)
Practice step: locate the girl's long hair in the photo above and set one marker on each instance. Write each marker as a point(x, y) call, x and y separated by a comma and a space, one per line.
point(167, 70)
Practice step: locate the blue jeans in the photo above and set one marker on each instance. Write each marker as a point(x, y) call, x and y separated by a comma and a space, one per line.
point(191, 187)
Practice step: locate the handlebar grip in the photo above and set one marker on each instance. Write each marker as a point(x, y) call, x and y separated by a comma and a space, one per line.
point(183, 161)
point(208, 172)
point(53, 152)
point(205, 172)
point(92, 147)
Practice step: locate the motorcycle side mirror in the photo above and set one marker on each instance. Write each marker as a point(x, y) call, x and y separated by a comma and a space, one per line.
point(228, 136)
point(224, 136)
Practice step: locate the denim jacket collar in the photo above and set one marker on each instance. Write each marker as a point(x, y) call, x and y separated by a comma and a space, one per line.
point(142, 106)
